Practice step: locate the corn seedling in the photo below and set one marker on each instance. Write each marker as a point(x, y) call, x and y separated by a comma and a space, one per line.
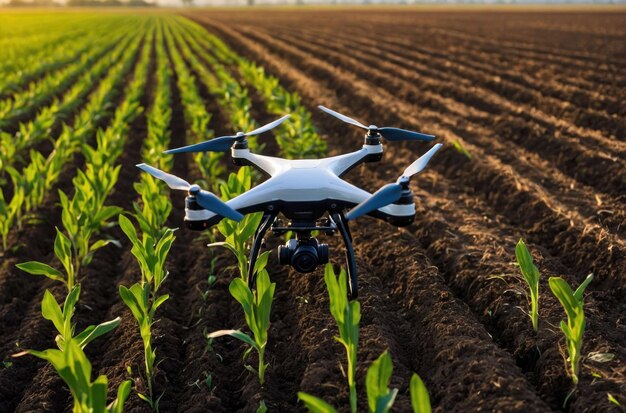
point(63, 251)
point(574, 328)
point(238, 234)
point(257, 306)
point(142, 298)
point(531, 276)
point(74, 368)
point(155, 207)
point(62, 320)
point(347, 315)
point(380, 397)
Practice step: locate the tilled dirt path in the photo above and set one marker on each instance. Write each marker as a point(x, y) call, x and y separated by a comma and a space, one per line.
point(538, 171)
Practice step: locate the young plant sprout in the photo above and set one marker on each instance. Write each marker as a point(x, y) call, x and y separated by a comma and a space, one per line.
point(574, 328)
point(62, 320)
point(257, 306)
point(63, 251)
point(74, 368)
point(531, 276)
point(347, 315)
point(380, 397)
point(142, 298)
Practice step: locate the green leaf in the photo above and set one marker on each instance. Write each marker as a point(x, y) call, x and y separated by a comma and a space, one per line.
point(51, 310)
point(132, 303)
point(63, 250)
point(159, 301)
point(419, 395)
point(377, 384)
point(613, 400)
point(578, 294)
point(39, 268)
point(314, 404)
point(564, 294)
point(238, 334)
point(123, 391)
point(93, 332)
point(99, 244)
point(98, 399)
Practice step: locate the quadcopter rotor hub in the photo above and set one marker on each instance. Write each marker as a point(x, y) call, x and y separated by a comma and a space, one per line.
point(194, 189)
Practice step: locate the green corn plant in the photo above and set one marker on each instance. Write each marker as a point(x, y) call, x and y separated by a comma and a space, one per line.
point(150, 253)
point(347, 315)
point(531, 276)
point(380, 397)
point(63, 252)
point(155, 207)
point(9, 213)
point(62, 320)
point(257, 306)
point(238, 234)
point(86, 213)
point(574, 328)
point(142, 298)
point(74, 368)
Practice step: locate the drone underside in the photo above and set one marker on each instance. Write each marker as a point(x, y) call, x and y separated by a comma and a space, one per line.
point(309, 193)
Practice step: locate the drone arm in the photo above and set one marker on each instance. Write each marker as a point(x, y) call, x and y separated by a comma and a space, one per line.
point(265, 164)
point(342, 226)
point(342, 164)
point(266, 222)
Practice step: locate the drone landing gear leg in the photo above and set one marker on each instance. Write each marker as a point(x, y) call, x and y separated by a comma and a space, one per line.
point(342, 226)
point(266, 222)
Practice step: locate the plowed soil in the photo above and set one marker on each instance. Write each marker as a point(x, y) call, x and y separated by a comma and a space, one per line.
point(538, 99)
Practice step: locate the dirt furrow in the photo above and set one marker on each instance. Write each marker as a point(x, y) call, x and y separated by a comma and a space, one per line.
point(575, 160)
point(504, 79)
point(497, 87)
point(496, 182)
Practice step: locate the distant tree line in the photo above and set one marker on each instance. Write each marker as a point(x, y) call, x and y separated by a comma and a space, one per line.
point(81, 3)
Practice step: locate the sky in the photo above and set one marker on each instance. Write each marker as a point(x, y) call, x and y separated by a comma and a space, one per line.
point(243, 2)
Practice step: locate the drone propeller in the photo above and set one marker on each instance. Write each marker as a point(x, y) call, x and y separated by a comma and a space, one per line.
point(223, 143)
point(390, 193)
point(391, 134)
point(206, 199)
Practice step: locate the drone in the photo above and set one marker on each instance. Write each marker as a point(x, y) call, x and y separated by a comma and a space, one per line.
point(309, 193)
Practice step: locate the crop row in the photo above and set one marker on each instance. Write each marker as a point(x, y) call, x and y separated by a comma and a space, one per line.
point(31, 132)
point(83, 216)
point(39, 176)
point(54, 54)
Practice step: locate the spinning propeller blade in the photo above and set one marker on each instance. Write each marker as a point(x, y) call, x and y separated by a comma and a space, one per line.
point(390, 193)
point(391, 134)
point(172, 181)
point(342, 117)
point(223, 143)
point(206, 199)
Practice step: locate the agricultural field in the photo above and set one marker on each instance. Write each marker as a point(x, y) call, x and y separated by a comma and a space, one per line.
point(530, 105)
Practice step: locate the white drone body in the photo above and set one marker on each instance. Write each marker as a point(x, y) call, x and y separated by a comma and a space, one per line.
point(296, 183)
point(309, 193)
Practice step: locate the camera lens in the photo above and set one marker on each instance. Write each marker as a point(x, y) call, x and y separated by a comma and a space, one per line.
point(304, 259)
